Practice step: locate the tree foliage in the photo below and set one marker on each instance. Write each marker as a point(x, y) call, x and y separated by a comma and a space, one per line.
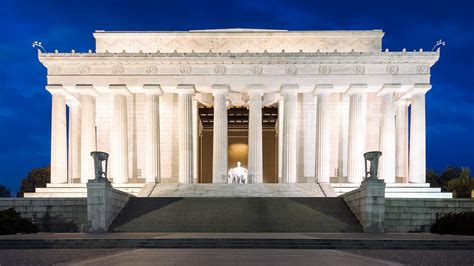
point(12, 223)
point(38, 177)
point(4, 192)
point(454, 224)
point(453, 179)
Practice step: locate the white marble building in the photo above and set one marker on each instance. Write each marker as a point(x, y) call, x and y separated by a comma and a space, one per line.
point(338, 94)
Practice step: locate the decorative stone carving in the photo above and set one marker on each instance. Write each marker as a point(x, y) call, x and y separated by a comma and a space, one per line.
point(117, 70)
point(54, 70)
point(392, 69)
point(237, 175)
point(220, 70)
point(185, 69)
point(359, 69)
point(150, 70)
point(256, 70)
point(291, 69)
point(422, 69)
point(323, 69)
point(84, 70)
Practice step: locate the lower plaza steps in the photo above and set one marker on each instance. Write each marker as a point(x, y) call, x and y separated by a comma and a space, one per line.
point(236, 214)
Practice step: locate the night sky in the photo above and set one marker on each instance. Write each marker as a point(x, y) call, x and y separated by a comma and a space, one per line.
point(25, 105)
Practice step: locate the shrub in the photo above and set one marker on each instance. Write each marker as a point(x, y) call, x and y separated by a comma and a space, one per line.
point(455, 224)
point(12, 223)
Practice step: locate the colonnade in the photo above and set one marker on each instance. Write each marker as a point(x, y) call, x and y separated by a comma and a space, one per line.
point(393, 137)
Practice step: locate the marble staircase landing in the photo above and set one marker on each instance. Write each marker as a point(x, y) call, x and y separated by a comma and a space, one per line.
point(239, 190)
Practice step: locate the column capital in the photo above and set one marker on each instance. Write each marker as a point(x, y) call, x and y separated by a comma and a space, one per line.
point(87, 89)
point(255, 89)
point(57, 89)
point(120, 89)
point(323, 89)
point(403, 102)
point(357, 88)
point(152, 89)
point(220, 89)
point(389, 88)
point(186, 89)
point(289, 88)
point(418, 88)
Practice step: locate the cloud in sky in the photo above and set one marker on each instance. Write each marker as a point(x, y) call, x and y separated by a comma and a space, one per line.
point(65, 25)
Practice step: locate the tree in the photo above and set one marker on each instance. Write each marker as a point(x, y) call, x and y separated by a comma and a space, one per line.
point(37, 177)
point(433, 178)
point(450, 173)
point(462, 186)
point(4, 192)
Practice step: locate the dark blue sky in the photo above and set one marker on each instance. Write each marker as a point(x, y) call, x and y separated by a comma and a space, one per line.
point(64, 25)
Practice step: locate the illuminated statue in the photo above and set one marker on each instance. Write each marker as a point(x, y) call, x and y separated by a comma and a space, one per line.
point(237, 175)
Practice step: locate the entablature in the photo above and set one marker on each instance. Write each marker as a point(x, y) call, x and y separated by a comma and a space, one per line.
point(189, 64)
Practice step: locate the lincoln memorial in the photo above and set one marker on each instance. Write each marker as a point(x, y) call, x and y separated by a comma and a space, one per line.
point(291, 106)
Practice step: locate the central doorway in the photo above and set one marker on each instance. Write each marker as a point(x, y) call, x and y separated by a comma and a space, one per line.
point(238, 142)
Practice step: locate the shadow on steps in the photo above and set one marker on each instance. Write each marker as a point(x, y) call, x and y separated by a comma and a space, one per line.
point(244, 214)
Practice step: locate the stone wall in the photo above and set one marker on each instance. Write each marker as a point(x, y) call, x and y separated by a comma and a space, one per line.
point(417, 215)
point(52, 214)
point(368, 203)
point(103, 204)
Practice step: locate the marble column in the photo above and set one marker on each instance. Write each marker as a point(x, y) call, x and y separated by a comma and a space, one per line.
point(280, 137)
point(152, 134)
point(220, 140)
point(195, 141)
point(322, 170)
point(417, 168)
point(356, 142)
point(185, 120)
point(255, 151)
point(74, 152)
point(119, 143)
point(288, 168)
point(58, 135)
point(387, 136)
point(401, 122)
point(88, 133)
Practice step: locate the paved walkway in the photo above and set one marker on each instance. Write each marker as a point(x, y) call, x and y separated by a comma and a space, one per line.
point(233, 257)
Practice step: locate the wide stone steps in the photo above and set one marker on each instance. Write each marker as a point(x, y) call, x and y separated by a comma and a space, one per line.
point(399, 190)
point(250, 243)
point(78, 190)
point(236, 214)
point(237, 190)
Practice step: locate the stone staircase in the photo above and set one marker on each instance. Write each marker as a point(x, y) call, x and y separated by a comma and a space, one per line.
point(238, 190)
point(77, 190)
point(236, 214)
point(399, 190)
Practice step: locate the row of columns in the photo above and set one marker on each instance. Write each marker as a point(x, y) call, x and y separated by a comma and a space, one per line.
point(82, 119)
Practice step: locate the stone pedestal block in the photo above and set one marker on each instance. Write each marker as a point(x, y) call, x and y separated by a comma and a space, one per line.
point(103, 204)
point(368, 204)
